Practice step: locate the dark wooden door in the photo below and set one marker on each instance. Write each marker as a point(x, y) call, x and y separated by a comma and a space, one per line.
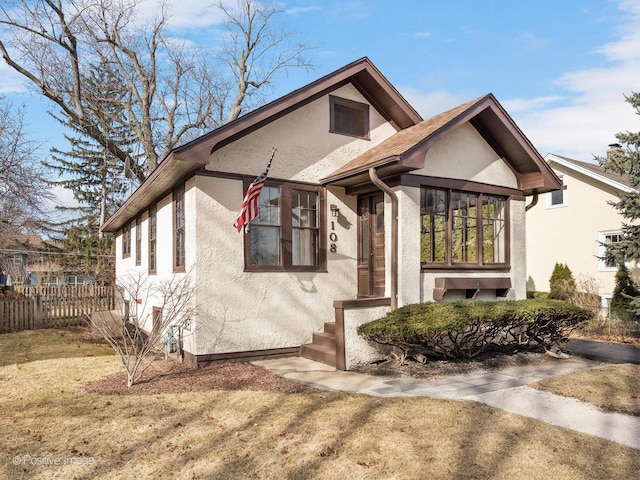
point(371, 271)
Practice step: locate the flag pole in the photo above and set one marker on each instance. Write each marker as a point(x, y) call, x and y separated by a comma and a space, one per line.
point(250, 206)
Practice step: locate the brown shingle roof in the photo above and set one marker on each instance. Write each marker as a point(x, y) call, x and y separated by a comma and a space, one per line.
point(402, 142)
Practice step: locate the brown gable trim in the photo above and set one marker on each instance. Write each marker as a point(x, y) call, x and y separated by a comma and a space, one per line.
point(196, 154)
point(249, 178)
point(361, 73)
point(411, 180)
point(406, 150)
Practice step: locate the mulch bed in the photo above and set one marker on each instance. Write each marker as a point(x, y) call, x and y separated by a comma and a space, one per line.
point(173, 377)
point(437, 368)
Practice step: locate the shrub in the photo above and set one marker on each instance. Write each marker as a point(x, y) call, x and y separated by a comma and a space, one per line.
point(562, 285)
point(464, 329)
point(624, 292)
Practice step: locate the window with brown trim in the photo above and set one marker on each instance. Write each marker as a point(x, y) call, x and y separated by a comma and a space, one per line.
point(288, 232)
point(463, 229)
point(153, 232)
point(138, 240)
point(348, 117)
point(126, 240)
point(178, 230)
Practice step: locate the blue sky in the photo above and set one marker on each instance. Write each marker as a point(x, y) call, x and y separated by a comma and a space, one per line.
point(560, 68)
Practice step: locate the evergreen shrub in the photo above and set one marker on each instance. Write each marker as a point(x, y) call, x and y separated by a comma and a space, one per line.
point(464, 329)
point(562, 285)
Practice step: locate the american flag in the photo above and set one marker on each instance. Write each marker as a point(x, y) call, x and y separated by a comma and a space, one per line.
point(249, 208)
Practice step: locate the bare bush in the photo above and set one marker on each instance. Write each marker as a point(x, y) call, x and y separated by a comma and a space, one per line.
point(153, 314)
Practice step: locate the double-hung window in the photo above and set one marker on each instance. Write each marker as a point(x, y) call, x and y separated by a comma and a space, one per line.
point(138, 240)
point(153, 233)
point(178, 230)
point(607, 239)
point(463, 228)
point(287, 233)
point(126, 240)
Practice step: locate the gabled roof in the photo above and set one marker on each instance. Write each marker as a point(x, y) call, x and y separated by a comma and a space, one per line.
point(192, 156)
point(594, 171)
point(406, 150)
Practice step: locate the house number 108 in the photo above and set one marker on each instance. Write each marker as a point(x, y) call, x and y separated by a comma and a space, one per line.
point(333, 238)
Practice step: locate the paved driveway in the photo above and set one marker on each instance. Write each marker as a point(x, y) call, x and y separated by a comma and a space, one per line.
point(604, 351)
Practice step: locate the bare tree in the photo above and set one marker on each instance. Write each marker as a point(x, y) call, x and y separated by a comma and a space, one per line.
point(174, 93)
point(23, 191)
point(257, 48)
point(157, 313)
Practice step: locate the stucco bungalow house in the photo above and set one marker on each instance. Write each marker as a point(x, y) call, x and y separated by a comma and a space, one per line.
point(366, 207)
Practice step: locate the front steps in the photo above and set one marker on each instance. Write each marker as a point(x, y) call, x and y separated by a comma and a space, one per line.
point(323, 346)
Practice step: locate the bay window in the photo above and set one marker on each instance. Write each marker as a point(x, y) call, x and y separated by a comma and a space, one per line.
point(463, 228)
point(286, 232)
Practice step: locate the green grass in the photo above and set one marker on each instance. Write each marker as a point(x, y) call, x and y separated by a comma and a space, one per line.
point(47, 414)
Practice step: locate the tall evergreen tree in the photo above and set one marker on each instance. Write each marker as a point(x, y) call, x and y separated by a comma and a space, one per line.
point(92, 174)
point(626, 161)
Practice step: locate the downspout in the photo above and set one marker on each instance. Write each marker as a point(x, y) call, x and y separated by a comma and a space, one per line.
point(534, 202)
point(373, 175)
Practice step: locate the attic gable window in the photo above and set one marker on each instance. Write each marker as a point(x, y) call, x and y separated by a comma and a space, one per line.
point(348, 117)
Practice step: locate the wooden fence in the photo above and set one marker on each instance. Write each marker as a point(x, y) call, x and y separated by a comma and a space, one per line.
point(32, 307)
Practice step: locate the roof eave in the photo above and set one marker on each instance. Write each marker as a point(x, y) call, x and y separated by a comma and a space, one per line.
point(550, 157)
point(158, 184)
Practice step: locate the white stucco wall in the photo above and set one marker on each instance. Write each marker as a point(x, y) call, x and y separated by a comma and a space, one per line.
point(136, 278)
point(243, 311)
point(306, 150)
point(463, 154)
point(357, 350)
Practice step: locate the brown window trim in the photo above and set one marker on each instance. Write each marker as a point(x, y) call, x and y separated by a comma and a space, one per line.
point(286, 232)
point(153, 240)
point(178, 195)
point(351, 104)
point(449, 187)
point(126, 240)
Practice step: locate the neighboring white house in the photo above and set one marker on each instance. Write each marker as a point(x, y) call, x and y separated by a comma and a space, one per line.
point(366, 207)
point(572, 225)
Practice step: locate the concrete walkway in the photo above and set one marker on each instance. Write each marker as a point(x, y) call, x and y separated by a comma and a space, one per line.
point(506, 389)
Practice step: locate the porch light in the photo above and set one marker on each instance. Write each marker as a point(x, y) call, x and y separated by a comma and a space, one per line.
point(335, 211)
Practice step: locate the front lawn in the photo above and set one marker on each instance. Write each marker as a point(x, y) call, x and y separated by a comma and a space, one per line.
point(614, 388)
point(54, 428)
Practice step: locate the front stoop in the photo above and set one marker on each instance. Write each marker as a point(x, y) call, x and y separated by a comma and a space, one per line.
point(323, 347)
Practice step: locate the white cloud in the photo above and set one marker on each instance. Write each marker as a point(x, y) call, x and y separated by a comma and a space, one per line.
point(593, 109)
point(10, 80)
point(423, 35)
point(299, 10)
point(185, 14)
point(530, 42)
point(63, 197)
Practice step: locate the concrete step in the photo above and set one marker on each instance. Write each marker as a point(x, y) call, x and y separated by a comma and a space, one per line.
point(319, 353)
point(325, 340)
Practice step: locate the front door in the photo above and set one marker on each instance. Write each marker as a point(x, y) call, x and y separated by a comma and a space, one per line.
point(371, 271)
